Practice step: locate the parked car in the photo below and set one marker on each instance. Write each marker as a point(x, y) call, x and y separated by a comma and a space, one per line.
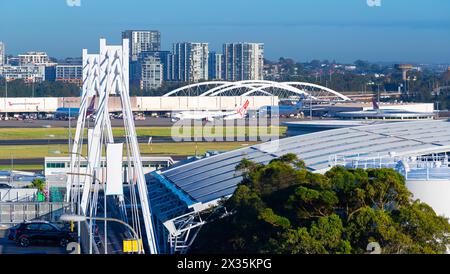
point(3, 186)
point(12, 232)
point(37, 232)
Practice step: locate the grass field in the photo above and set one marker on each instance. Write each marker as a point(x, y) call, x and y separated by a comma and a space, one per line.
point(22, 167)
point(175, 149)
point(63, 133)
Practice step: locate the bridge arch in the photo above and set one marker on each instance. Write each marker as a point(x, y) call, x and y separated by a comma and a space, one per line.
point(265, 87)
point(182, 90)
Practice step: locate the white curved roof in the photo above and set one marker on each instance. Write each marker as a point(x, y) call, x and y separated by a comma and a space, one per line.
point(249, 87)
point(212, 178)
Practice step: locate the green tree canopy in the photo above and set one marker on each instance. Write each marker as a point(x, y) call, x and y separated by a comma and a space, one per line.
point(39, 184)
point(283, 208)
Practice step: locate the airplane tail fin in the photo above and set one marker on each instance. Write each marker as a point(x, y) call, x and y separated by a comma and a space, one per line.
point(90, 109)
point(375, 104)
point(242, 111)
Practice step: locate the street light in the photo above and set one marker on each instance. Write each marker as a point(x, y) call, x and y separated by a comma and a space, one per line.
point(80, 218)
point(6, 99)
point(79, 206)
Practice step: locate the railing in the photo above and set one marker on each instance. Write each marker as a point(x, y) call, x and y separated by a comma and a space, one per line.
point(18, 195)
point(12, 213)
point(429, 167)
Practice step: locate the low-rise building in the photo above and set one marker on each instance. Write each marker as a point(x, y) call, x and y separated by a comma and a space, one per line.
point(69, 73)
point(28, 73)
point(33, 58)
point(58, 167)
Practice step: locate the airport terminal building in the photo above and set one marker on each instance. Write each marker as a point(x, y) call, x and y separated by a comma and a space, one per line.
point(419, 150)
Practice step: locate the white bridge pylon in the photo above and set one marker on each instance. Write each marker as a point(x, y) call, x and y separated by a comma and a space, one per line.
point(259, 87)
point(107, 74)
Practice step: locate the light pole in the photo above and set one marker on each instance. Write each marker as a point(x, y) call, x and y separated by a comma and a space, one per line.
point(48, 141)
point(12, 162)
point(79, 208)
point(6, 99)
point(78, 191)
point(79, 218)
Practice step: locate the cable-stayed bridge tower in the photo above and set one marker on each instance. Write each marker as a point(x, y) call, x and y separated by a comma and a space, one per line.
point(107, 74)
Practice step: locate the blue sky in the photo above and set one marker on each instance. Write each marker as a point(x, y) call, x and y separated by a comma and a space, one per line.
point(345, 30)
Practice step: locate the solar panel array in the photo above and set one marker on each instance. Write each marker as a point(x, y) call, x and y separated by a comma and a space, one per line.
point(215, 177)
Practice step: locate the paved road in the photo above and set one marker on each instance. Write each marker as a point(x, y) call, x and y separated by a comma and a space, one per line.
point(10, 247)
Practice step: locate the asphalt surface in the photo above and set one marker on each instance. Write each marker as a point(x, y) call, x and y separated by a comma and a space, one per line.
point(10, 247)
point(149, 122)
point(40, 161)
point(141, 139)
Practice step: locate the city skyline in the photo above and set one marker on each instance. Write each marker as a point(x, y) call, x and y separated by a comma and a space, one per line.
point(302, 30)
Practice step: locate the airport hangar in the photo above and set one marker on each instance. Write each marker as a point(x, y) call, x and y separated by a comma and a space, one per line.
point(419, 150)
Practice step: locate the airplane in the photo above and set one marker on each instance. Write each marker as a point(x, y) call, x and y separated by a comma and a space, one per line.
point(282, 110)
point(210, 116)
point(68, 113)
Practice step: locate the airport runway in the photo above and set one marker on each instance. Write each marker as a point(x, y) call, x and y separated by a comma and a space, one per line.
point(40, 161)
point(141, 140)
point(149, 122)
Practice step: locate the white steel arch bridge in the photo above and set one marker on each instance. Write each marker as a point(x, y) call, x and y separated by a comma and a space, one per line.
point(284, 90)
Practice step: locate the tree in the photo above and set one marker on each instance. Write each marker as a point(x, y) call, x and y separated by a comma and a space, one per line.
point(283, 208)
point(39, 184)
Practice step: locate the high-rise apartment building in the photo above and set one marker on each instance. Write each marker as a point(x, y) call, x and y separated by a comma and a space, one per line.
point(165, 58)
point(190, 61)
point(2, 54)
point(142, 40)
point(151, 73)
point(243, 61)
point(215, 66)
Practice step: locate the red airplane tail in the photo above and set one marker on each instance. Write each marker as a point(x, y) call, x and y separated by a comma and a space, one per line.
point(242, 111)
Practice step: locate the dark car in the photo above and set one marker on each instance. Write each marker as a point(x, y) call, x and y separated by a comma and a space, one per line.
point(12, 232)
point(2, 185)
point(40, 232)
